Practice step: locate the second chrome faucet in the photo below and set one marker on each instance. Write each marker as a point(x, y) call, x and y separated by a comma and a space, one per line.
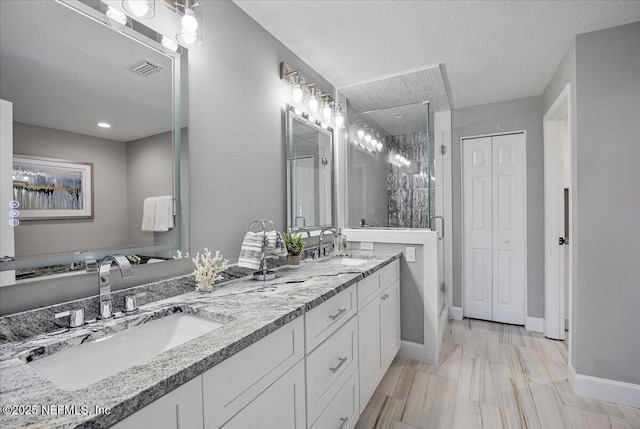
point(104, 283)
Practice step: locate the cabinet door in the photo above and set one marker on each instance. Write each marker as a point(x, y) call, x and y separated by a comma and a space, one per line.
point(281, 406)
point(369, 350)
point(178, 409)
point(390, 324)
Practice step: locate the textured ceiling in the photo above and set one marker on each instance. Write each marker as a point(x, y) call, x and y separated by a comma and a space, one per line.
point(490, 51)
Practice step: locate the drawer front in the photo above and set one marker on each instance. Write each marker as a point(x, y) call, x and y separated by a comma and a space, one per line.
point(329, 366)
point(368, 288)
point(326, 318)
point(389, 274)
point(343, 410)
point(232, 384)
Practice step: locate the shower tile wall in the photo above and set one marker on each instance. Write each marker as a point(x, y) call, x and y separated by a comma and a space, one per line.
point(408, 188)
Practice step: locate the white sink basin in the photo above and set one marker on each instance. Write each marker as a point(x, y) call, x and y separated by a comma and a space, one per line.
point(353, 261)
point(81, 366)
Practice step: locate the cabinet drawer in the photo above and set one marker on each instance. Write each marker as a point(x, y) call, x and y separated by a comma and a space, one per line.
point(231, 385)
point(368, 288)
point(389, 274)
point(326, 318)
point(343, 410)
point(329, 366)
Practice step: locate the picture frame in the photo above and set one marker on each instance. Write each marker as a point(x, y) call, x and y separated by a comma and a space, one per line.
point(49, 188)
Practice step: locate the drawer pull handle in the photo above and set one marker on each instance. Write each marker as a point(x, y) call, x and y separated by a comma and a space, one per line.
point(340, 312)
point(385, 296)
point(344, 421)
point(342, 361)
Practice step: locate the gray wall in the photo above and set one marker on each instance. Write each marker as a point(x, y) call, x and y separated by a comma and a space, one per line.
point(108, 228)
point(149, 167)
point(513, 115)
point(607, 284)
point(236, 99)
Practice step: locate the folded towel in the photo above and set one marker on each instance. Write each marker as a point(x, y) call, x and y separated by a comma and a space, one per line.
point(252, 250)
point(163, 214)
point(148, 214)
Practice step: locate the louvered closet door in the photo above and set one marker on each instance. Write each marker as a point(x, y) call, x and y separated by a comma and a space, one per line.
point(494, 228)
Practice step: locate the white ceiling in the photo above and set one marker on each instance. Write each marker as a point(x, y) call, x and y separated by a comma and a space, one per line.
point(489, 50)
point(61, 70)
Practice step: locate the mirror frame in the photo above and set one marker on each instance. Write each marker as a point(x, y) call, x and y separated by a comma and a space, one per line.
point(289, 116)
point(94, 11)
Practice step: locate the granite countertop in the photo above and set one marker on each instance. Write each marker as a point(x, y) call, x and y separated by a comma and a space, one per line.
point(249, 309)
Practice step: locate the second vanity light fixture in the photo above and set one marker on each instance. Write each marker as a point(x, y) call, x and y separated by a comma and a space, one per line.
point(319, 105)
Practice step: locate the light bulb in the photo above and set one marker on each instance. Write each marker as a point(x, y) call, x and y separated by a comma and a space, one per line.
point(103, 124)
point(313, 103)
point(169, 44)
point(188, 37)
point(360, 134)
point(189, 21)
point(138, 7)
point(326, 111)
point(296, 93)
point(339, 120)
point(312, 119)
point(379, 147)
point(367, 138)
point(324, 126)
point(297, 111)
point(116, 16)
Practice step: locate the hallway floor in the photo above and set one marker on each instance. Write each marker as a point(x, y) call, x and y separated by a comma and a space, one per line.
point(491, 376)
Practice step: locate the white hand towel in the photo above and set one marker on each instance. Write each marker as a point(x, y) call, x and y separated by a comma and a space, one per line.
point(148, 214)
point(163, 214)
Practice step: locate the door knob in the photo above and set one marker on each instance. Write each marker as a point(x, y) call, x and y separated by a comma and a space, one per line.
point(562, 240)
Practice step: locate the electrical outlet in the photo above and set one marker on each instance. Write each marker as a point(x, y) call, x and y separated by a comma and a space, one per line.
point(410, 254)
point(366, 245)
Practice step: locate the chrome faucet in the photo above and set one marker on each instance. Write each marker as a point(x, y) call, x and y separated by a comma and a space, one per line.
point(322, 231)
point(104, 284)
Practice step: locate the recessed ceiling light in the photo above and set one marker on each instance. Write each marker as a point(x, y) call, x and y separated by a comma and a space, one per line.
point(103, 125)
point(399, 115)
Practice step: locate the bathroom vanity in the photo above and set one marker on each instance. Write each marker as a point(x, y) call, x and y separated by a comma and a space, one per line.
point(305, 350)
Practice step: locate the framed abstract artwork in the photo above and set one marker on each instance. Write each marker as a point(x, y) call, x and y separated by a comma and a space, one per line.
point(47, 188)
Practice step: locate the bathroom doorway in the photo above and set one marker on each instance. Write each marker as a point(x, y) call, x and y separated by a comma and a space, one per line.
point(558, 215)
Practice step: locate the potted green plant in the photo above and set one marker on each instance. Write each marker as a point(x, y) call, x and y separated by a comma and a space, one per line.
point(295, 246)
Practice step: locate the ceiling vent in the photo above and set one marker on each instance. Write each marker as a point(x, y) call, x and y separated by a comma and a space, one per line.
point(145, 68)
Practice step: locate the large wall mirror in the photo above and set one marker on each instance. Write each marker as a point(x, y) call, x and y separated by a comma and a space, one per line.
point(310, 167)
point(66, 68)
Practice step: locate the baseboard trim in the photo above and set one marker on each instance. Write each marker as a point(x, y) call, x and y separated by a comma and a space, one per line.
point(411, 350)
point(604, 389)
point(456, 313)
point(534, 324)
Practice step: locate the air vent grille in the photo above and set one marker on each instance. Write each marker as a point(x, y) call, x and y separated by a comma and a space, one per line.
point(145, 68)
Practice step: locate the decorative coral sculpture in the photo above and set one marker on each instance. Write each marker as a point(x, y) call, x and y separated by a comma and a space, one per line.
point(208, 269)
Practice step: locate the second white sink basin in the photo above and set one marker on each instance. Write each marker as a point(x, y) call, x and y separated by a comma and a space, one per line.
point(81, 366)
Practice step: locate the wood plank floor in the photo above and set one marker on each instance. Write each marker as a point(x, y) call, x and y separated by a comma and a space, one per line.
point(491, 376)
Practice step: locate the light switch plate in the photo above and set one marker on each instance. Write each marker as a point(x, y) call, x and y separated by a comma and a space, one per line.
point(410, 254)
point(366, 245)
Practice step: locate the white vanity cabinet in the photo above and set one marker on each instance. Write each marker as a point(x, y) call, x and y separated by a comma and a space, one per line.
point(258, 384)
point(378, 326)
point(178, 409)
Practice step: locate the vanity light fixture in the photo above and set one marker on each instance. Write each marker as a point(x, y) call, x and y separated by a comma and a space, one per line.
point(367, 138)
point(297, 93)
point(116, 17)
point(379, 146)
point(103, 124)
point(338, 119)
point(313, 98)
point(140, 8)
point(190, 22)
point(326, 108)
point(360, 134)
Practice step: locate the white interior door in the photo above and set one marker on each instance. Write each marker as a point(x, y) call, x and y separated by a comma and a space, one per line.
point(478, 229)
point(494, 228)
point(508, 228)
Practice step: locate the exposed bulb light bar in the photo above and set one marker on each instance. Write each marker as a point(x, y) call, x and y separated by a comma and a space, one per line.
point(169, 44)
point(360, 134)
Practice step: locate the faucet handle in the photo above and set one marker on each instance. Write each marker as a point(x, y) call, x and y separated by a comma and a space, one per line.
point(105, 310)
point(76, 316)
point(131, 302)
